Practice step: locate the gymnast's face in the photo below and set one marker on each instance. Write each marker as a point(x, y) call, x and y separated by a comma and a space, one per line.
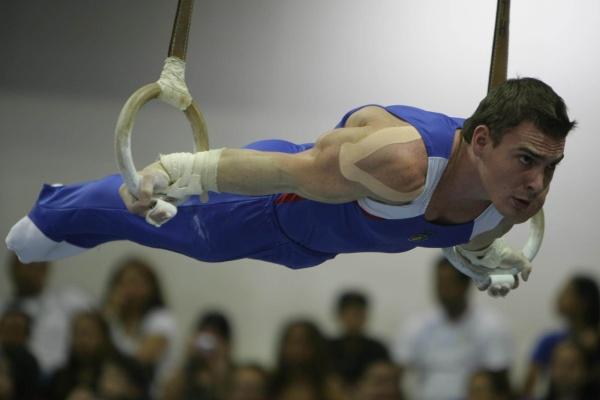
point(516, 173)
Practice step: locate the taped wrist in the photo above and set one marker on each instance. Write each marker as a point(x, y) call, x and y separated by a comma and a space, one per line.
point(191, 173)
point(488, 257)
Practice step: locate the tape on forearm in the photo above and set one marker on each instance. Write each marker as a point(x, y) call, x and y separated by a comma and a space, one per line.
point(191, 173)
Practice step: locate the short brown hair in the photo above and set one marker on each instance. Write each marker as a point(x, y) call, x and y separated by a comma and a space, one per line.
point(518, 100)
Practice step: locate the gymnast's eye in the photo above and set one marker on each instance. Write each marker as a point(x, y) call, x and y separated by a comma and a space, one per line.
point(525, 159)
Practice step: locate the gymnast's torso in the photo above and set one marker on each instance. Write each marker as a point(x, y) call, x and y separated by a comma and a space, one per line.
point(282, 228)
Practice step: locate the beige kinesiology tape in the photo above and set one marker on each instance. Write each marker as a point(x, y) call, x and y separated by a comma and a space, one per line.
point(191, 173)
point(352, 153)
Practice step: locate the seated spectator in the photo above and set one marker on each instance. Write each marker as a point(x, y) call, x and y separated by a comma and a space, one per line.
point(578, 304)
point(353, 349)
point(303, 369)
point(21, 366)
point(142, 327)
point(248, 382)
point(50, 310)
point(443, 347)
point(571, 376)
point(91, 346)
point(208, 365)
point(489, 385)
point(378, 380)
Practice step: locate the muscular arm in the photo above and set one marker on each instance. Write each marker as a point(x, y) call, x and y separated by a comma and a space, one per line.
point(314, 174)
point(385, 163)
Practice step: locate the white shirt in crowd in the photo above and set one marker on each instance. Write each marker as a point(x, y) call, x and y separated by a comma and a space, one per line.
point(441, 354)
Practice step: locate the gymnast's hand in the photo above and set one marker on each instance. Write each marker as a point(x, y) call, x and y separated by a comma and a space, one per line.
point(153, 180)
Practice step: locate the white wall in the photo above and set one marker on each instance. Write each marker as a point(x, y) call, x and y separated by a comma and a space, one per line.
point(288, 69)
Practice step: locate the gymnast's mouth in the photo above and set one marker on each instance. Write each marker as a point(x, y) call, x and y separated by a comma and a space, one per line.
point(520, 204)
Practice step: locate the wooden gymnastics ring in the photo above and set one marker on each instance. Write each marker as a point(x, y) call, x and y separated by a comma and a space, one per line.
point(170, 88)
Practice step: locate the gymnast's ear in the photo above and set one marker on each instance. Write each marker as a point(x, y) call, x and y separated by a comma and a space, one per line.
point(481, 140)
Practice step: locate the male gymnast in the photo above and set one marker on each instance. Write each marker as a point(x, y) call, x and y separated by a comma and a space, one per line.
point(386, 179)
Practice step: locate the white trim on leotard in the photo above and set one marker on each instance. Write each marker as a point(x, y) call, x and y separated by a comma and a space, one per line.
point(486, 221)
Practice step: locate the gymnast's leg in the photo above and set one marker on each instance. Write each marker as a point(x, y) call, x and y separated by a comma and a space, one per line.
point(67, 220)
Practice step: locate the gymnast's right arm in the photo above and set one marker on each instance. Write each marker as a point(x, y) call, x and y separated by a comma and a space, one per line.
point(316, 174)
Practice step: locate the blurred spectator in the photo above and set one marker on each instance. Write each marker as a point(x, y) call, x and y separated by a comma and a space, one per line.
point(378, 380)
point(142, 326)
point(7, 387)
point(571, 376)
point(444, 347)
point(50, 310)
point(489, 385)
point(353, 349)
point(207, 366)
point(578, 304)
point(91, 346)
point(303, 369)
point(20, 366)
point(248, 382)
point(121, 379)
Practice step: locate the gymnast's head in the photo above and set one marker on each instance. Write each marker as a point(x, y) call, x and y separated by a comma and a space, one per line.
point(516, 138)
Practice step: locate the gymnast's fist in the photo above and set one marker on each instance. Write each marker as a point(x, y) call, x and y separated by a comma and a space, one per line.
point(154, 180)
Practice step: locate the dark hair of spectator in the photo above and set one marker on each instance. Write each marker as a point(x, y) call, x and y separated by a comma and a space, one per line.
point(351, 298)
point(587, 289)
point(217, 322)
point(156, 299)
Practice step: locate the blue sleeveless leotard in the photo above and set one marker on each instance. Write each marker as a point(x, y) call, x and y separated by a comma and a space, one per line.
point(282, 228)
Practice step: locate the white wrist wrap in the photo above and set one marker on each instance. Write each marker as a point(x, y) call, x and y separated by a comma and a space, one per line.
point(496, 255)
point(191, 173)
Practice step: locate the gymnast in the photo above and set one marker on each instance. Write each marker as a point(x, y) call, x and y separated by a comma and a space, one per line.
point(386, 179)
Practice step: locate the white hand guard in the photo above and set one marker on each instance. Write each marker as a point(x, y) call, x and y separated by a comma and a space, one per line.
point(494, 268)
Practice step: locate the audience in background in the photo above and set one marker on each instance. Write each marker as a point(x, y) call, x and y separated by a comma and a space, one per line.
point(571, 373)
point(50, 310)
point(353, 349)
point(19, 364)
point(207, 366)
point(377, 380)
point(142, 326)
point(489, 385)
point(303, 369)
point(578, 304)
point(248, 382)
point(457, 351)
point(445, 346)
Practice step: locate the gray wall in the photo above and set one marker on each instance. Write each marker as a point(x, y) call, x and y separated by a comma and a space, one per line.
point(288, 69)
